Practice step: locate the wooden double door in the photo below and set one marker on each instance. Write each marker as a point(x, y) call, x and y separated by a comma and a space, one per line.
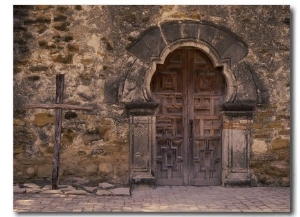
point(189, 90)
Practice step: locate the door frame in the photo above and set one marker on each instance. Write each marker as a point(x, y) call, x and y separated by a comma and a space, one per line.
point(187, 77)
point(230, 80)
point(225, 49)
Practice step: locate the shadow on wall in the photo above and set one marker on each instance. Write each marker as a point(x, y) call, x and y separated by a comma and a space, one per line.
point(21, 53)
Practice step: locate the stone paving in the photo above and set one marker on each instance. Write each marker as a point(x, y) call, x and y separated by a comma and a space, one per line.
point(104, 188)
point(186, 199)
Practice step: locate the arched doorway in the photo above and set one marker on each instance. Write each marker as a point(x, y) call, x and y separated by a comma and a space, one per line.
point(189, 91)
point(226, 51)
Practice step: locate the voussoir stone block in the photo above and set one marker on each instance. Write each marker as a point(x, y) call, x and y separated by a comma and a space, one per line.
point(151, 37)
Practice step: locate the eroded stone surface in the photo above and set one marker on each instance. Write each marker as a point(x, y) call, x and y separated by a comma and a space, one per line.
point(103, 189)
point(31, 185)
point(103, 192)
point(105, 185)
point(17, 189)
point(90, 189)
point(68, 188)
point(33, 190)
point(77, 192)
point(50, 191)
point(121, 191)
point(100, 72)
point(259, 147)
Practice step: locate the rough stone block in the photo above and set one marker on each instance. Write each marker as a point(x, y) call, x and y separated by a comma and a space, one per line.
point(30, 171)
point(47, 187)
point(105, 185)
point(45, 171)
point(77, 192)
point(274, 124)
point(18, 149)
point(67, 188)
point(18, 122)
point(38, 68)
point(282, 166)
point(33, 190)
point(91, 169)
point(106, 167)
point(31, 185)
point(50, 191)
point(285, 182)
point(42, 119)
point(103, 192)
point(17, 189)
point(284, 132)
point(63, 26)
point(77, 180)
point(43, 7)
point(91, 135)
point(257, 126)
point(121, 191)
point(280, 143)
point(259, 147)
point(257, 158)
point(66, 59)
point(85, 92)
point(89, 189)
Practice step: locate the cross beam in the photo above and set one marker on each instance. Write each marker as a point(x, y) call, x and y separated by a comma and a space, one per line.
point(58, 106)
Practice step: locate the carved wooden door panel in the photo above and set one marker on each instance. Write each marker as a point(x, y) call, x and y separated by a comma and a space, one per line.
point(188, 128)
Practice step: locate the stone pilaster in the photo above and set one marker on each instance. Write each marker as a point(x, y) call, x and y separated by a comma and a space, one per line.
point(237, 121)
point(142, 142)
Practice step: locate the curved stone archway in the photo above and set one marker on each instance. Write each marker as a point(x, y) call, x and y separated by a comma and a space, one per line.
point(225, 48)
point(243, 93)
point(230, 79)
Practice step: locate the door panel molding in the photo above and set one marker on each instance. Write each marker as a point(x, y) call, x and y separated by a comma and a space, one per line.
point(188, 113)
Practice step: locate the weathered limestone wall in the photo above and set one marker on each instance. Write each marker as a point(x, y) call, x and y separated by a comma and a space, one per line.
point(76, 41)
point(88, 44)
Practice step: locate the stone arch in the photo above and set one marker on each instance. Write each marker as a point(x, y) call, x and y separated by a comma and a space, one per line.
point(210, 52)
point(222, 46)
point(244, 91)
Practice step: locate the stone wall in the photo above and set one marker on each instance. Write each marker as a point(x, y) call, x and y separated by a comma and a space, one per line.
point(89, 44)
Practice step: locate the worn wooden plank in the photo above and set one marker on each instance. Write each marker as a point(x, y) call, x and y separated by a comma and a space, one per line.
point(189, 102)
point(57, 106)
point(58, 124)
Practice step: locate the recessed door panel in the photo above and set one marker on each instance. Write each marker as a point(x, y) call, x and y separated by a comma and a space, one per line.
point(188, 128)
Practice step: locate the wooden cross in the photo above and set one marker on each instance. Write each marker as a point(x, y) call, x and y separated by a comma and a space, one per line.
point(58, 106)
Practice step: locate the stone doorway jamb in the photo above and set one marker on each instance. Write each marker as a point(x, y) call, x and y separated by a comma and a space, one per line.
point(243, 92)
